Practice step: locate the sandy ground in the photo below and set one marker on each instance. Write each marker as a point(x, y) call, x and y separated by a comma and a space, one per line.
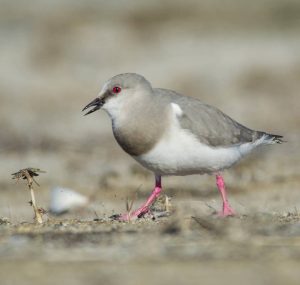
point(261, 245)
point(242, 57)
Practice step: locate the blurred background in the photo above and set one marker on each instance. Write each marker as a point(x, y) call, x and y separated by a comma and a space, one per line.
point(241, 56)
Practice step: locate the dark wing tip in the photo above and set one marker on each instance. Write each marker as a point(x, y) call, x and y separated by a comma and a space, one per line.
point(276, 138)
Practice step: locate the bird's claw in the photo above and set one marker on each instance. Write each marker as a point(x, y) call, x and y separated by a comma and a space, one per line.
point(227, 211)
point(140, 213)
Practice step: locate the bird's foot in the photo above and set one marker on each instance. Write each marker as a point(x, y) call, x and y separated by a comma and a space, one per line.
point(227, 211)
point(145, 208)
point(131, 216)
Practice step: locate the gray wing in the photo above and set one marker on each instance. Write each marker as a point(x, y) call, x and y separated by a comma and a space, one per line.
point(210, 125)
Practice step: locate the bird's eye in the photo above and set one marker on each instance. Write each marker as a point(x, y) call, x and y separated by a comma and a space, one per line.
point(116, 89)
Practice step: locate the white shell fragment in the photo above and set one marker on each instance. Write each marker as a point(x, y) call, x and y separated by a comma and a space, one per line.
point(64, 199)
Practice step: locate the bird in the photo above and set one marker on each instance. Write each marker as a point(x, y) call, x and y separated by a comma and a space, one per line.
point(174, 135)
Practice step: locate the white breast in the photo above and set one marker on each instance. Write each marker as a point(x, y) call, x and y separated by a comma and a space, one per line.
point(179, 152)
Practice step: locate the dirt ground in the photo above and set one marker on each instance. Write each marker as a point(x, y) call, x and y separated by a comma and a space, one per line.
point(261, 245)
point(242, 57)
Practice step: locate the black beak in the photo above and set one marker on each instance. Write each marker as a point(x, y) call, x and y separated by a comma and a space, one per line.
point(97, 104)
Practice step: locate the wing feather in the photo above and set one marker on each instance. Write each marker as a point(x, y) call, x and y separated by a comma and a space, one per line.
point(210, 125)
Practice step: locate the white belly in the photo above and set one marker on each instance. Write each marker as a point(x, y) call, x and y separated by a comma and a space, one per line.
point(179, 152)
point(184, 155)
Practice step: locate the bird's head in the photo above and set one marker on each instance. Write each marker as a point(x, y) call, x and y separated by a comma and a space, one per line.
point(118, 91)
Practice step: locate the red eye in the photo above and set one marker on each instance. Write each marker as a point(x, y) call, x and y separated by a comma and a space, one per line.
point(116, 90)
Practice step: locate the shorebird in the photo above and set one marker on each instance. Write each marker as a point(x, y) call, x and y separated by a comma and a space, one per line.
point(172, 134)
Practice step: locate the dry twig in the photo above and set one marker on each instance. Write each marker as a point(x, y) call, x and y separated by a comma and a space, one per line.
point(29, 174)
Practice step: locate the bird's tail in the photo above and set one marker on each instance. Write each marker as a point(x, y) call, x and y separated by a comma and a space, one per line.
point(271, 139)
point(263, 139)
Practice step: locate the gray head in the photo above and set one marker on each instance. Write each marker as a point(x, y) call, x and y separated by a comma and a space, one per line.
point(118, 91)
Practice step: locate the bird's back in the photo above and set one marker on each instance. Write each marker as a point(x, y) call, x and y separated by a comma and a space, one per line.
point(210, 125)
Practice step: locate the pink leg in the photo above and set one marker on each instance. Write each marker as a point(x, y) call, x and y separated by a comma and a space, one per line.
point(227, 210)
point(145, 207)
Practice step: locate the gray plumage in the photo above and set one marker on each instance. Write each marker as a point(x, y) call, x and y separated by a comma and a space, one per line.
point(210, 125)
point(148, 111)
